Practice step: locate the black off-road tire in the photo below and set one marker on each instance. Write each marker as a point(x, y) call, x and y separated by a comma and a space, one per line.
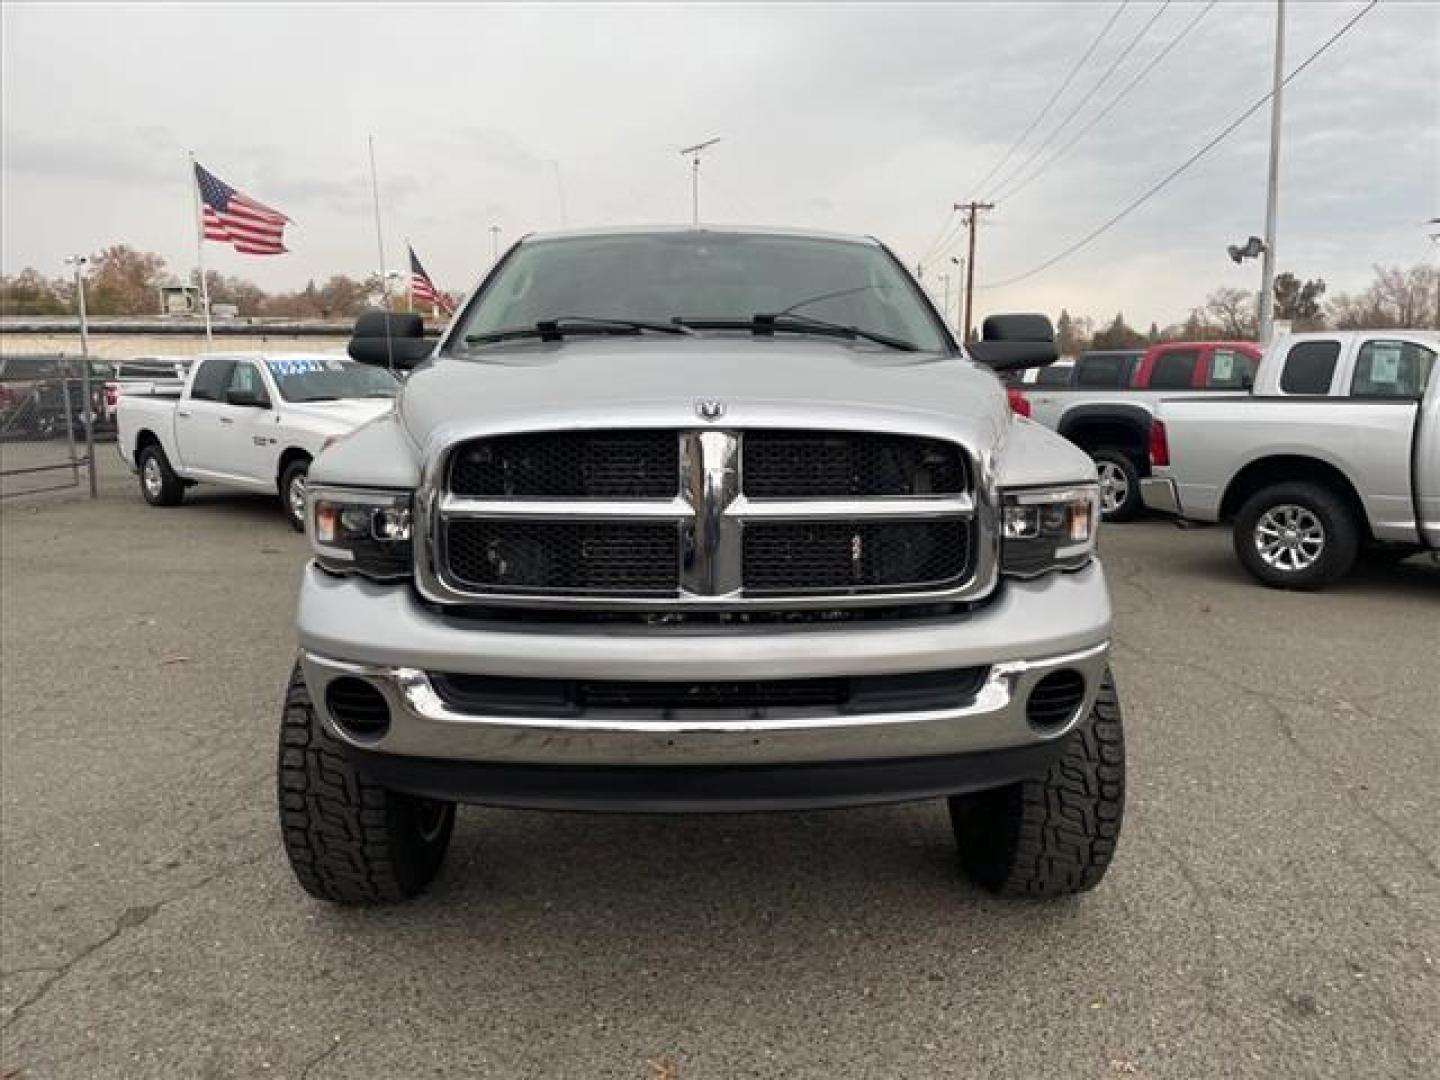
point(350, 841)
point(1054, 835)
point(298, 469)
point(1130, 506)
point(1341, 535)
point(160, 487)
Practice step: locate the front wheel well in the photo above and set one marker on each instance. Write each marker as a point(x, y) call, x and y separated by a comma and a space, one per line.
point(1286, 468)
point(287, 458)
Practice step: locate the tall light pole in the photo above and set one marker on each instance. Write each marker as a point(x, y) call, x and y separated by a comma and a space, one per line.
point(959, 263)
point(694, 153)
point(945, 305)
point(1272, 187)
point(87, 408)
point(494, 244)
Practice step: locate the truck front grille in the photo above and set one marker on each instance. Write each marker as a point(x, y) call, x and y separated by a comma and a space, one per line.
point(844, 556)
point(705, 517)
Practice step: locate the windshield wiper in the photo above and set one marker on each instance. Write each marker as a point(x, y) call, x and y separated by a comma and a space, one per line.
point(792, 322)
point(555, 329)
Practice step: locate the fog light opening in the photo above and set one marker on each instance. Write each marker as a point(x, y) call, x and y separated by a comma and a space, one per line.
point(357, 707)
point(1055, 700)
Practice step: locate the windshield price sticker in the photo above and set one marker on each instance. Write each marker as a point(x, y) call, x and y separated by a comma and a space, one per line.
point(296, 367)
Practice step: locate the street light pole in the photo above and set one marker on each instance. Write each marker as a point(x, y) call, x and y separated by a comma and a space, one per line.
point(494, 244)
point(695, 152)
point(87, 408)
point(1272, 190)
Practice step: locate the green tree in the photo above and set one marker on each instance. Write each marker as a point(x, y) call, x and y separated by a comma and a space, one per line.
point(1299, 302)
point(1118, 335)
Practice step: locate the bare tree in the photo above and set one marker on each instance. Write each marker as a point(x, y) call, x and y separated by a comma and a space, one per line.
point(1233, 312)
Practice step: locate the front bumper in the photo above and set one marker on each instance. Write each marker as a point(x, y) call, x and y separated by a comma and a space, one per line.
point(383, 636)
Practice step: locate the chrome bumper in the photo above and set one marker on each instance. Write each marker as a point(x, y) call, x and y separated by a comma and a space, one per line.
point(381, 635)
point(1159, 494)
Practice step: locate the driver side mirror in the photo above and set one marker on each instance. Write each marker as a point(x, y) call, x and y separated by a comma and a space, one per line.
point(248, 398)
point(390, 339)
point(1013, 342)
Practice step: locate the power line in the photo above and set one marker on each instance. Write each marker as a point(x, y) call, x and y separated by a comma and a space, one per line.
point(1183, 166)
point(1139, 77)
point(1075, 70)
point(947, 235)
point(1084, 100)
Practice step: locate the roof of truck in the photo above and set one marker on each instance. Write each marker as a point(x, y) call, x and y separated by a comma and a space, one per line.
point(720, 230)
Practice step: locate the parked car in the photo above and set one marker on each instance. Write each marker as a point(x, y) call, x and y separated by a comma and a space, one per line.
point(156, 375)
point(1338, 448)
point(751, 534)
point(34, 389)
point(1103, 403)
point(248, 421)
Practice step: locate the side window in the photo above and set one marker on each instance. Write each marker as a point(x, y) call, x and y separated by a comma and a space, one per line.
point(1174, 370)
point(1309, 367)
point(1056, 375)
point(1230, 370)
point(246, 378)
point(1392, 369)
point(211, 380)
point(1105, 372)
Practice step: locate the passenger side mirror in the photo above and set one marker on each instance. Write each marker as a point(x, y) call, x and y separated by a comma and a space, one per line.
point(390, 339)
point(1013, 342)
point(248, 398)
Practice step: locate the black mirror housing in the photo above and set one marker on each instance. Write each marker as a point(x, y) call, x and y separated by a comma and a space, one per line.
point(1014, 342)
point(390, 339)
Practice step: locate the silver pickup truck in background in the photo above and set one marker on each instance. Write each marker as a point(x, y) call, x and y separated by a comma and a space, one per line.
point(1104, 403)
point(693, 519)
point(1338, 447)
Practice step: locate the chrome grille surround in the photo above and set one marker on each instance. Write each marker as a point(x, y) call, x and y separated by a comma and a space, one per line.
point(709, 510)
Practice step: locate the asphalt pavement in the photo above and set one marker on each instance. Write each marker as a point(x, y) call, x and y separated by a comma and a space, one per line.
point(1274, 910)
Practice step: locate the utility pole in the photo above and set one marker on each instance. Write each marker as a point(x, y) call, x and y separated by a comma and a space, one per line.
point(1272, 188)
point(971, 211)
point(87, 406)
point(694, 152)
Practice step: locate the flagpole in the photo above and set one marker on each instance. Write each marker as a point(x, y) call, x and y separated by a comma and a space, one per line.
point(409, 280)
point(200, 250)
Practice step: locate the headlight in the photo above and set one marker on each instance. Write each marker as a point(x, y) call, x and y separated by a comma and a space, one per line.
point(362, 532)
point(1045, 529)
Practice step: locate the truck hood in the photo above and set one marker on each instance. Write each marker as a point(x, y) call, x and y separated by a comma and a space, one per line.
point(339, 416)
point(652, 381)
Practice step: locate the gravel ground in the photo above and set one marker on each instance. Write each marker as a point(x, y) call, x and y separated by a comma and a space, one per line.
point(1274, 909)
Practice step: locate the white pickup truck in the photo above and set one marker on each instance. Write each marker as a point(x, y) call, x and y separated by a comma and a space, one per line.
point(1338, 447)
point(248, 421)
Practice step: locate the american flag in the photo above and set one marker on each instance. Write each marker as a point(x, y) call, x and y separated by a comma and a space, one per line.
point(238, 220)
point(424, 290)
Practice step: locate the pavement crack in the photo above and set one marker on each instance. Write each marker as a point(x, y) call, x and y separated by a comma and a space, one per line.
point(1214, 997)
point(129, 919)
point(1271, 701)
point(316, 1061)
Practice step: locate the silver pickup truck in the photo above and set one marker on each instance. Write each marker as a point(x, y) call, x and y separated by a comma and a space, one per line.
point(1338, 447)
point(692, 520)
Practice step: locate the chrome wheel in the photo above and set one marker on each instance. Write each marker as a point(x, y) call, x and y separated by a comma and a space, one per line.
point(295, 497)
point(1114, 486)
point(1289, 537)
point(151, 477)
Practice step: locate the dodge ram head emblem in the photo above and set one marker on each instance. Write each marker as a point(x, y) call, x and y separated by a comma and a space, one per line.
point(709, 409)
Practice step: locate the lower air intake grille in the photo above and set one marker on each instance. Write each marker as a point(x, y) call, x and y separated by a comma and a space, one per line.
point(789, 558)
point(1054, 699)
point(625, 558)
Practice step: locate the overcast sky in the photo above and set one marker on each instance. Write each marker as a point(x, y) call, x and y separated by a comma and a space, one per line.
point(867, 119)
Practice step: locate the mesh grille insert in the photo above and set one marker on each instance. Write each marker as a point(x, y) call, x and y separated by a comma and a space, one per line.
point(847, 465)
point(565, 556)
point(852, 556)
point(569, 465)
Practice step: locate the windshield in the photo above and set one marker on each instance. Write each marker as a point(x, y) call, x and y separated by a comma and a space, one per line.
point(704, 276)
point(330, 379)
